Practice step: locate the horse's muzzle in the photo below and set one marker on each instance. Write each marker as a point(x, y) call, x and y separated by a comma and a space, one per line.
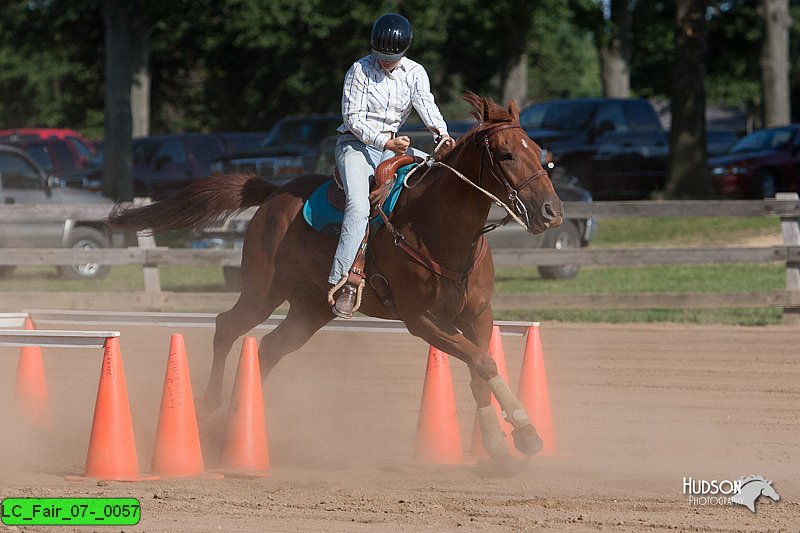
point(549, 215)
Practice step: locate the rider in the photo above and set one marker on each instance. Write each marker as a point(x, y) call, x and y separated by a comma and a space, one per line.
point(379, 91)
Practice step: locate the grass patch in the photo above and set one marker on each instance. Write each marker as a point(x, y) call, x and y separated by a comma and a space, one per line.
point(689, 231)
point(120, 278)
point(667, 278)
point(655, 278)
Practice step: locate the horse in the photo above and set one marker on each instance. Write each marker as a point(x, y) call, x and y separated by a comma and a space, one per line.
point(436, 269)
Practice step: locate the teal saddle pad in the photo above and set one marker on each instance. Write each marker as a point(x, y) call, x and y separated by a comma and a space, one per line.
point(327, 219)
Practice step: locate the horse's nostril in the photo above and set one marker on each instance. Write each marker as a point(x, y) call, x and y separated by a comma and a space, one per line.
point(547, 211)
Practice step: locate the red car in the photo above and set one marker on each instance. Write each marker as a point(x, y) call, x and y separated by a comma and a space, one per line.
point(57, 150)
point(759, 165)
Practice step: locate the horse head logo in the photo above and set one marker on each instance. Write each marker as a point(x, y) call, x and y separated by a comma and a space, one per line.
point(751, 488)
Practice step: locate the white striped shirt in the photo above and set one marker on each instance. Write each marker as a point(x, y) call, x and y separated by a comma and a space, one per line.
point(375, 103)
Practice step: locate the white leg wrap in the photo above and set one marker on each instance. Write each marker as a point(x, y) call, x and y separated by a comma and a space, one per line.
point(513, 410)
point(492, 438)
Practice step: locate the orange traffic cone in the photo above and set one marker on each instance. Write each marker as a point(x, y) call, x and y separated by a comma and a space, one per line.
point(438, 436)
point(177, 450)
point(495, 352)
point(245, 449)
point(112, 449)
point(533, 392)
point(30, 391)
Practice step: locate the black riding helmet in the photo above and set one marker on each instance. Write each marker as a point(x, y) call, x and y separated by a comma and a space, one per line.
point(391, 37)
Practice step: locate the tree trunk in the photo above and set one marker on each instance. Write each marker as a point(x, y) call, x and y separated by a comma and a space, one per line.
point(775, 63)
point(515, 85)
point(140, 90)
point(687, 175)
point(615, 55)
point(125, 53)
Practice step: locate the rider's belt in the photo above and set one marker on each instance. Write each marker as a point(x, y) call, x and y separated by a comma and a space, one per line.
point(391, 134)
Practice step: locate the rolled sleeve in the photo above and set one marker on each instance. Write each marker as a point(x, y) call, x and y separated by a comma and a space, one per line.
point(424, 102)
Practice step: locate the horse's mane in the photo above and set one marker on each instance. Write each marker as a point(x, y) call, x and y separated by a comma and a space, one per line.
point(487, 112)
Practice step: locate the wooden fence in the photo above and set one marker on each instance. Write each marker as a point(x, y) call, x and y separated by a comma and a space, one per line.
point(786, 206)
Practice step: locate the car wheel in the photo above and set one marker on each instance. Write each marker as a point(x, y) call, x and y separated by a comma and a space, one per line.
point(6, 271)
point(88, 239)
point(765, 184)
point(233, 278)
point(564, 237)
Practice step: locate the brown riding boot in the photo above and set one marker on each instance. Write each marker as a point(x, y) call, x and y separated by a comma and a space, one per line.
point(345, 301)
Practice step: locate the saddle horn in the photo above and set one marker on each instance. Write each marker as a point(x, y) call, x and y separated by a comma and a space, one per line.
point(388, 168)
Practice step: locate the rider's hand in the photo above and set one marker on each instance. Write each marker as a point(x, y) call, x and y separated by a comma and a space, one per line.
point(448, 141)
point(398, 145)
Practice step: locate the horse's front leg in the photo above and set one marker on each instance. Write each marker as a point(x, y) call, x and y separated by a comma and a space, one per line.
point(485, 378)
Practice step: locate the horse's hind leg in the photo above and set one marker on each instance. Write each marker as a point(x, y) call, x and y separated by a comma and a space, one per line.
point(260, 296)
point(308, 312)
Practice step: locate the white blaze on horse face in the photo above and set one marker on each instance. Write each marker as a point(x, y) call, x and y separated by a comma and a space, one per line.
point(524, 143)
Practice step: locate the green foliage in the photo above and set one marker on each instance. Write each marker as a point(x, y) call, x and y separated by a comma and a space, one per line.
point(49, 65)
point(241, 64)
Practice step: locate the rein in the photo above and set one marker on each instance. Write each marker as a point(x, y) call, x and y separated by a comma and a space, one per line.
point(480, 241)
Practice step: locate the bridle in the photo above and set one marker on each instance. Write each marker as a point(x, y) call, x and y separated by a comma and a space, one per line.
point(482, 141)
point(478, 249)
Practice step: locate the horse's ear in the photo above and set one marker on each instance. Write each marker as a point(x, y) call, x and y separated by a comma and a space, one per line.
point(485, 110)
point(513, 110)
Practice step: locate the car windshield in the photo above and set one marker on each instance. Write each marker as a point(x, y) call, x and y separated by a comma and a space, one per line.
point(558, 115)
point(774, 139)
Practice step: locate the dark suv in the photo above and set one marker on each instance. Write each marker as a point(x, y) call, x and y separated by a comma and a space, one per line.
point(164, 164)
point(615, 148)
point(291, 148)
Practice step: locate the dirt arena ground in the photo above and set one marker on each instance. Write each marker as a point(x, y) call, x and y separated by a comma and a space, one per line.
point(636, 407)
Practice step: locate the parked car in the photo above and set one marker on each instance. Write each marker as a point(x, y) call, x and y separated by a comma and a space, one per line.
point(83, 146)
point(759, 165)
point(23, 181)
point(615, 148)
point(55, 156)
point(718, 142)
point(164, 164)
point(573, 233)
point(291, 148)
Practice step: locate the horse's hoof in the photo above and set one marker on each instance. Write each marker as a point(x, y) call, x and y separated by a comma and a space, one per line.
point(526, 440)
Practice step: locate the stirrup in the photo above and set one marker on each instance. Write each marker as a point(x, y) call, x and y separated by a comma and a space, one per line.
point(345, 302)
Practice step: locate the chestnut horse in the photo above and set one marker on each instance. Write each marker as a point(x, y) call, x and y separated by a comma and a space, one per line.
point(439, 270)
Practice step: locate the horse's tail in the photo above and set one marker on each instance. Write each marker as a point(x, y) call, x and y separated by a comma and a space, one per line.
point(199, 204)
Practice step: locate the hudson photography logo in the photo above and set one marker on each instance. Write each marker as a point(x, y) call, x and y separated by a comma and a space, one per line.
point(743, 491)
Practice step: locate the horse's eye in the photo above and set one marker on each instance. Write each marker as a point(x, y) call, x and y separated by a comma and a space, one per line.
point(505, 156)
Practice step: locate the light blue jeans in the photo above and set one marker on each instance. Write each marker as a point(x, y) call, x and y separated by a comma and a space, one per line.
point(357, 163)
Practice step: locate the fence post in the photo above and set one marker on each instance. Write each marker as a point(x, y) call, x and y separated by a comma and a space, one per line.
point(146, 241)
point(790, 227)
point(152, 281)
